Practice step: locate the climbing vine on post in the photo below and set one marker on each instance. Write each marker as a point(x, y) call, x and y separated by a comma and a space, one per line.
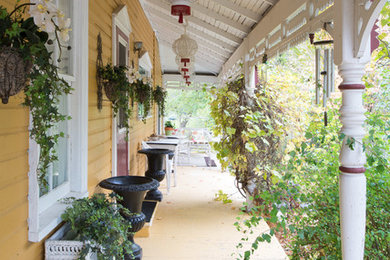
point(251, 131)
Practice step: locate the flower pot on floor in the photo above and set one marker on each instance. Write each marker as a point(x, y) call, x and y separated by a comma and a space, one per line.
point(155, 170)
point(132, 189)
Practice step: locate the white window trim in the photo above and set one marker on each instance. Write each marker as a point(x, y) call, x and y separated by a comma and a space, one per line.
point(41, 224)
point(147, 65)
point(121, 20)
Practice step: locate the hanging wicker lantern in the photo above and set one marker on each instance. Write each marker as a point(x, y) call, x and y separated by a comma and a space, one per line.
point(13, 73)
point(185, 47)
point(181, 8)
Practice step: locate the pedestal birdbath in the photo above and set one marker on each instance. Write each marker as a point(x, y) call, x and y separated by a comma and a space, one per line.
point(132, 189)
point(155, 170)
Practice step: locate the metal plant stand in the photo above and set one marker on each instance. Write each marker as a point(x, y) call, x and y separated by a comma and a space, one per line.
point(132, 189)
point(155, 170)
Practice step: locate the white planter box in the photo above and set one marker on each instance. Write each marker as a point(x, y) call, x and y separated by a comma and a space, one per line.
point(57, 248)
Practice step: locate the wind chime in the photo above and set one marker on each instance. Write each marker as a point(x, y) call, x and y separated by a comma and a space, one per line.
point(324, 80)
point(185, 48)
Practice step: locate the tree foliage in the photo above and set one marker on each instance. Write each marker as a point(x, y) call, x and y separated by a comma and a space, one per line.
point(188, 105)
point(302, 208)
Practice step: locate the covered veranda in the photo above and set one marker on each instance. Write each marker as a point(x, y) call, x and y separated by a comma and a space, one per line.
point(234, 36)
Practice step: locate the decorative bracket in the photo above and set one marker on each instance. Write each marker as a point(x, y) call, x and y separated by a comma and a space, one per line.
point(366, 13)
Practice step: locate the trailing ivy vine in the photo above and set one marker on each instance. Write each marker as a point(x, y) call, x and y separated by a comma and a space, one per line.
point(251, 131)
point(45, 86)
point(118, 88)
point(141, 92)
point(159, 96)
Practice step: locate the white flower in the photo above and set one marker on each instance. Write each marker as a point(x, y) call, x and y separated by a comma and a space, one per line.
point(137, 75)
point(44, 12)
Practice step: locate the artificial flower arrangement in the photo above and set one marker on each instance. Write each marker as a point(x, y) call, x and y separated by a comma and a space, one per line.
point(26, 64)
point(141, 91)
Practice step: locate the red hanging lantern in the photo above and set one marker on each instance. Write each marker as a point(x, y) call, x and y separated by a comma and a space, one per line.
point(181, 8)
point(185, 61)
point(186, 77)
point(188, 83)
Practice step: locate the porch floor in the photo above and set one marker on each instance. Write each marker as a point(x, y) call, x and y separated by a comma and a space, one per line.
point(189, 224)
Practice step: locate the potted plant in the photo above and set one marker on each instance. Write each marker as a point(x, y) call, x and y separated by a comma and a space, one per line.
point(141, 92)
point(169, 128)
point(27, 64)
point(117, 88)
point(159, 96)
point(96, 226)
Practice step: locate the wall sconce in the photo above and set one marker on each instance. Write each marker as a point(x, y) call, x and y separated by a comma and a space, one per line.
point(138, 48)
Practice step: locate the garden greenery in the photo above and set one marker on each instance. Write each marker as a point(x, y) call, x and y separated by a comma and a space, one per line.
point(302, 207)
point(29, 38)
point(98, 223)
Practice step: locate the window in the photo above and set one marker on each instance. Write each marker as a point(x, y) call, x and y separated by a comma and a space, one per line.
point(68, 176)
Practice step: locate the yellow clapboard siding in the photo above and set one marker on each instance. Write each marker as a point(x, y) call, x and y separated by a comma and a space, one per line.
point(13, 144)
point(13, 220)
point(14, 133)
point(13, 170)
point(19, 191)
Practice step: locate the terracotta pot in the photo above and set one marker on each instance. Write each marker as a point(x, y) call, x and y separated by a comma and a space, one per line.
point(169, 130)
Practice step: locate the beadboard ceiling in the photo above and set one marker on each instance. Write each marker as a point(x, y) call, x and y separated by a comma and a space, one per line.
point(218, 26)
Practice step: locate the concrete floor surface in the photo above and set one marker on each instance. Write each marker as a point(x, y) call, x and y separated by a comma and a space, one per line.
point(190, 224)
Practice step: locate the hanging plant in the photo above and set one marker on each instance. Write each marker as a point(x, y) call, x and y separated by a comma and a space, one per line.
point(159, 96)
point(141, 92)
point(26, 63)
point(117, 88)
point(251, 130)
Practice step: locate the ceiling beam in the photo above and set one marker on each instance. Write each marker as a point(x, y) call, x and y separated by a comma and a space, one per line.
point(271, 2)
point(214, 29)
point(253, 16)
point(198, 78)
point(194, 20)
point(205, 11)
point(191, 30)
point(199, 41)
point(223, 19)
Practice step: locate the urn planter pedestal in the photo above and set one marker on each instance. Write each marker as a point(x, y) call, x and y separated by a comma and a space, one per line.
point(155, 170)
point(132, 189)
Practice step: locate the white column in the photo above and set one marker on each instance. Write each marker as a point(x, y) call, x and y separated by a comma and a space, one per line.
point(352, 160)
point(352, 157)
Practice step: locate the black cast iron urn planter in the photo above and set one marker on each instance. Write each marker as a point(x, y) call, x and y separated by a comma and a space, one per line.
point(155, 170)
point(132, 189)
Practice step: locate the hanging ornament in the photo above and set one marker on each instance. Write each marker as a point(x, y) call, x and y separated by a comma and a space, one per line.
point(181, 8)
point(185, 47)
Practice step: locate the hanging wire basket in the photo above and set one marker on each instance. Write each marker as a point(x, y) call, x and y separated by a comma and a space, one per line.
point(110, 90)
point(14, 72)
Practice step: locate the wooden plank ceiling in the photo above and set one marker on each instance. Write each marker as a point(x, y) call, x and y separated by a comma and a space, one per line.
point(218, 26)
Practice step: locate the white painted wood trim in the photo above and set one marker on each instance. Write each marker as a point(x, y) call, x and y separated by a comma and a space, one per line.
point(121, 20)
point(41, 224)
point(286, 25)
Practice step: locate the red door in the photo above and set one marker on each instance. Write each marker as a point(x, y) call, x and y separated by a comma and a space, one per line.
point(122, 146)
